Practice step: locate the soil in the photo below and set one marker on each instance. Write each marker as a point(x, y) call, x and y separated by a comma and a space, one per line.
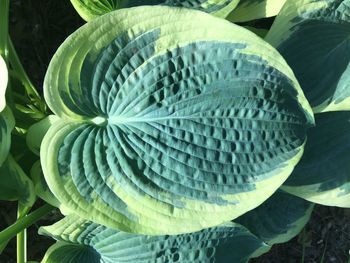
point(325, 239)
point(37, 28)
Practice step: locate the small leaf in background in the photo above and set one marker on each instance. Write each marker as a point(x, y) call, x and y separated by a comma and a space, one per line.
point(15, 185)
point(180, 123)
point(79, 238)
point(313, 36)
point(323, 176)
point(40, 185)
point(7, 123)
point(261, 32)
point(278, 219)
point(37, 131)
point(3, 83)
point(90, 9)
point(248, 10)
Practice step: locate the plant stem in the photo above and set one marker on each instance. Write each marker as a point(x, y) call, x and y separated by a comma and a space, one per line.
point(3, 246)
point(22, 246)
point(22, 236)
point(304, 241)
point(21, 73)
point(8, 51)
point(25, 222)
point(4, 15)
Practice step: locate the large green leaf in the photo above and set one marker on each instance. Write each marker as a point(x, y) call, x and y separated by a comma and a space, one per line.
point(90, 9)
point(7, 123)
point(15, 185)
point(90, 242)
point(278, 219)
point(323, 175)
point(178, 123)
point(255, 9)
point(314, 37)
point(3, 83)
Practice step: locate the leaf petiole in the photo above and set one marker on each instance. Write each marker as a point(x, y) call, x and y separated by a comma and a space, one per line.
point(22, 236)
point(23, 77)
point(24, 222)
point(4, 13)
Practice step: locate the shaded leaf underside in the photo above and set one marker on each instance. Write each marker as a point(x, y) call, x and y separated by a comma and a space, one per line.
point(322, 176)
point(278, 219)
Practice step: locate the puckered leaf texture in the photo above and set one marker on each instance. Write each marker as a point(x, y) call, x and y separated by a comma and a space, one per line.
point(84, 241)
point(171, 121)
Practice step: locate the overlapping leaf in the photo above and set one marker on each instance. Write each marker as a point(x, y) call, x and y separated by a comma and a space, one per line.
point(178, 123)
point(278, 219)
point(90, 9)
point(64, 252)
point(40, 185)
point(261, 32)
point(15, 185)
point(255, 9)
point(37, 131)
point(323, 175)
point(314, 37)
point(84, 241)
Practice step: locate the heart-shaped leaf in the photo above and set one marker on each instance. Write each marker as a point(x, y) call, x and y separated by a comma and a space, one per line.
point(323, 174)
point(90, 242)
point(255, 9)
point(3, 83)
point(7, 123)
point(15, 185)
point(90, 9)
point(278, 219)
point(178, 123)
point(314, 38)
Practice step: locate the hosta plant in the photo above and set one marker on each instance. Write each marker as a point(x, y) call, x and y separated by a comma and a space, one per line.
point(167, 134)
point(156, 135)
